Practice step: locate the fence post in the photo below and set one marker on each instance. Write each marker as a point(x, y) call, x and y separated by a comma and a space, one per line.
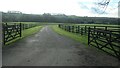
point(72, 29)
point(69, 28)
point(94, 29)
point(62, 26)
point(89, 36)
point(76, 29)
point(65, 28)
point(3, 33)
point(20, 30)
point(119, 54)
point(5, 29)
point(59, 25)
point(105, 28)
point(85, 29)
point(81, 31)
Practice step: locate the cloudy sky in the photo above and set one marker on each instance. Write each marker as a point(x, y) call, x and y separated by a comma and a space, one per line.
point(68, 7)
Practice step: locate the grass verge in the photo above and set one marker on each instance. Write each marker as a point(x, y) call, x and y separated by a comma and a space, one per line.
point(82, 39)
point(30, 31)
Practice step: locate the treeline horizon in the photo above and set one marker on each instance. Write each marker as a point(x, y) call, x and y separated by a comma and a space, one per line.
point(58, 18)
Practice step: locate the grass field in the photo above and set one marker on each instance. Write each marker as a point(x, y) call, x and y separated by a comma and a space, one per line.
point(28, 22)
point(93, 24)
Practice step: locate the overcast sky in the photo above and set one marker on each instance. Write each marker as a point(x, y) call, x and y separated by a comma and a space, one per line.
point(68, 7)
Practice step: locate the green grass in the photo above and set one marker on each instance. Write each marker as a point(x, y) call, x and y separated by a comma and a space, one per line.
point(30, 31)
point(82, 39)
point(94, 24)
point(44, 23)
point(26, 33)
point(24, 22)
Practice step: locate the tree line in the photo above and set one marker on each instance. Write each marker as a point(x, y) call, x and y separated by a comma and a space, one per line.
point(58, 18)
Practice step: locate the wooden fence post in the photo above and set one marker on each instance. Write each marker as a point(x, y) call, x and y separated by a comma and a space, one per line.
point(72, 29)
point(65, 27)
point(59, 25)
point(119, 54)
point(62, 26)
point(81, 31)
point(69, 28)
point(5, 29)
point(89, 36)
point(3, 34)
point(85, 29)
point(105, 28)
point(78, 29)
point(20, 29)
point(94, 29)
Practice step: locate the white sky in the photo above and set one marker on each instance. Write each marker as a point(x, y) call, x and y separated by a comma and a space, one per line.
point(68, 7)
